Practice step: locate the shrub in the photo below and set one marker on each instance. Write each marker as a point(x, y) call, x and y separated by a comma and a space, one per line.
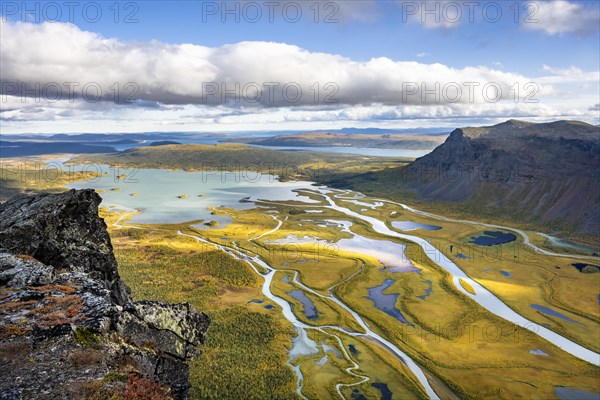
point(86, 337)
point(86, 357)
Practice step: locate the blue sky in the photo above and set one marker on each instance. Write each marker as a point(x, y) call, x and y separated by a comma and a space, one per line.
point(554, 44)
point(382, 34)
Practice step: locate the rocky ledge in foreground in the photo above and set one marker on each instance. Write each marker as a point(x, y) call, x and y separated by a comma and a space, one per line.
point(68, 327)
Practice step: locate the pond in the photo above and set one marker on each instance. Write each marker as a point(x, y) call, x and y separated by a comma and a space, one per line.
point(386, 393)
point(302, 345)
point(556, 242)
point(427, 291)
point(411, 226)
point(293, 239)
point(308, 307)
point(492, 238)
point(386, 302)
point(586, 268)
point(551, 312)
point(390, 254)
point(538, 352)
point(565, 393)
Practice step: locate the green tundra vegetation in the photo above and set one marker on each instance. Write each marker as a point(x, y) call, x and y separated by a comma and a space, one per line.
point(312, 166)
point(245, 353)
point(464, 350)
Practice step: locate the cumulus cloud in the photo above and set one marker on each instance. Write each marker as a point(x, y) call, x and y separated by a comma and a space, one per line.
point(562, 16)
point(55, 59)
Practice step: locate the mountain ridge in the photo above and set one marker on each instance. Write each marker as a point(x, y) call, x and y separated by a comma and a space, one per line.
point(545, 175)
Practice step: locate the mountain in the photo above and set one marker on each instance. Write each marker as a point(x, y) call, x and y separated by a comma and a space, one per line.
point(545, 175)
point(379, 131)
point(22, 149)
point(68, 325)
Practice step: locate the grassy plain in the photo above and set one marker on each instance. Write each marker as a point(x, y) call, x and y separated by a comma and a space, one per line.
point(467, 351)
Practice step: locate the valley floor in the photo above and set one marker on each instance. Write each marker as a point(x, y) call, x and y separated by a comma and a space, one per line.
point(355, 312)
point(336, 294)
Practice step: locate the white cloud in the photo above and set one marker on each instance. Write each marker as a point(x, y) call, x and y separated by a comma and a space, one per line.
point(562, 16)
point(53, 56)
point(423, 54)
point(169, 80)
point(562, 76)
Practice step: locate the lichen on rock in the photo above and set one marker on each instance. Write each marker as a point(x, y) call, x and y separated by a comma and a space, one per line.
point(68, 326)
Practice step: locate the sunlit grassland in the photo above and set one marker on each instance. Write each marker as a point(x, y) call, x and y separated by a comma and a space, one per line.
point(381, 367)
point(320, 380)
point(179, 244)
point(328, 313)
point(245, 352)
point(317, 270)
point(466, 348)
point(303, 258)
point(376, 363)
point(543, 242)
point(536, 278)
point(450, 333)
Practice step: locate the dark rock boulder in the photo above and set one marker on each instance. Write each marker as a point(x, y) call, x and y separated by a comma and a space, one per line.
point(63, 230)
point(68, 328)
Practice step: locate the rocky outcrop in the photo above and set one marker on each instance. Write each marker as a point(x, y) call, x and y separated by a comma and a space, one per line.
point(64, 231)
point(68, 327)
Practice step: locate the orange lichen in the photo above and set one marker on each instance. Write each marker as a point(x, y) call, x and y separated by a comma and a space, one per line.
point(140, 388)
point(53, 288)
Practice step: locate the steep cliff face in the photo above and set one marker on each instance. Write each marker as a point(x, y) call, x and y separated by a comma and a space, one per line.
point(63, 231)
point(68, 327)
point(549, 171)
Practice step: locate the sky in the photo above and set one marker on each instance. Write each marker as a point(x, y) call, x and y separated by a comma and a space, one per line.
point(239, 66)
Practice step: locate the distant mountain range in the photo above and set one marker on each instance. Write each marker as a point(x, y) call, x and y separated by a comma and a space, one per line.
point(87, 143)
point(541, 174)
